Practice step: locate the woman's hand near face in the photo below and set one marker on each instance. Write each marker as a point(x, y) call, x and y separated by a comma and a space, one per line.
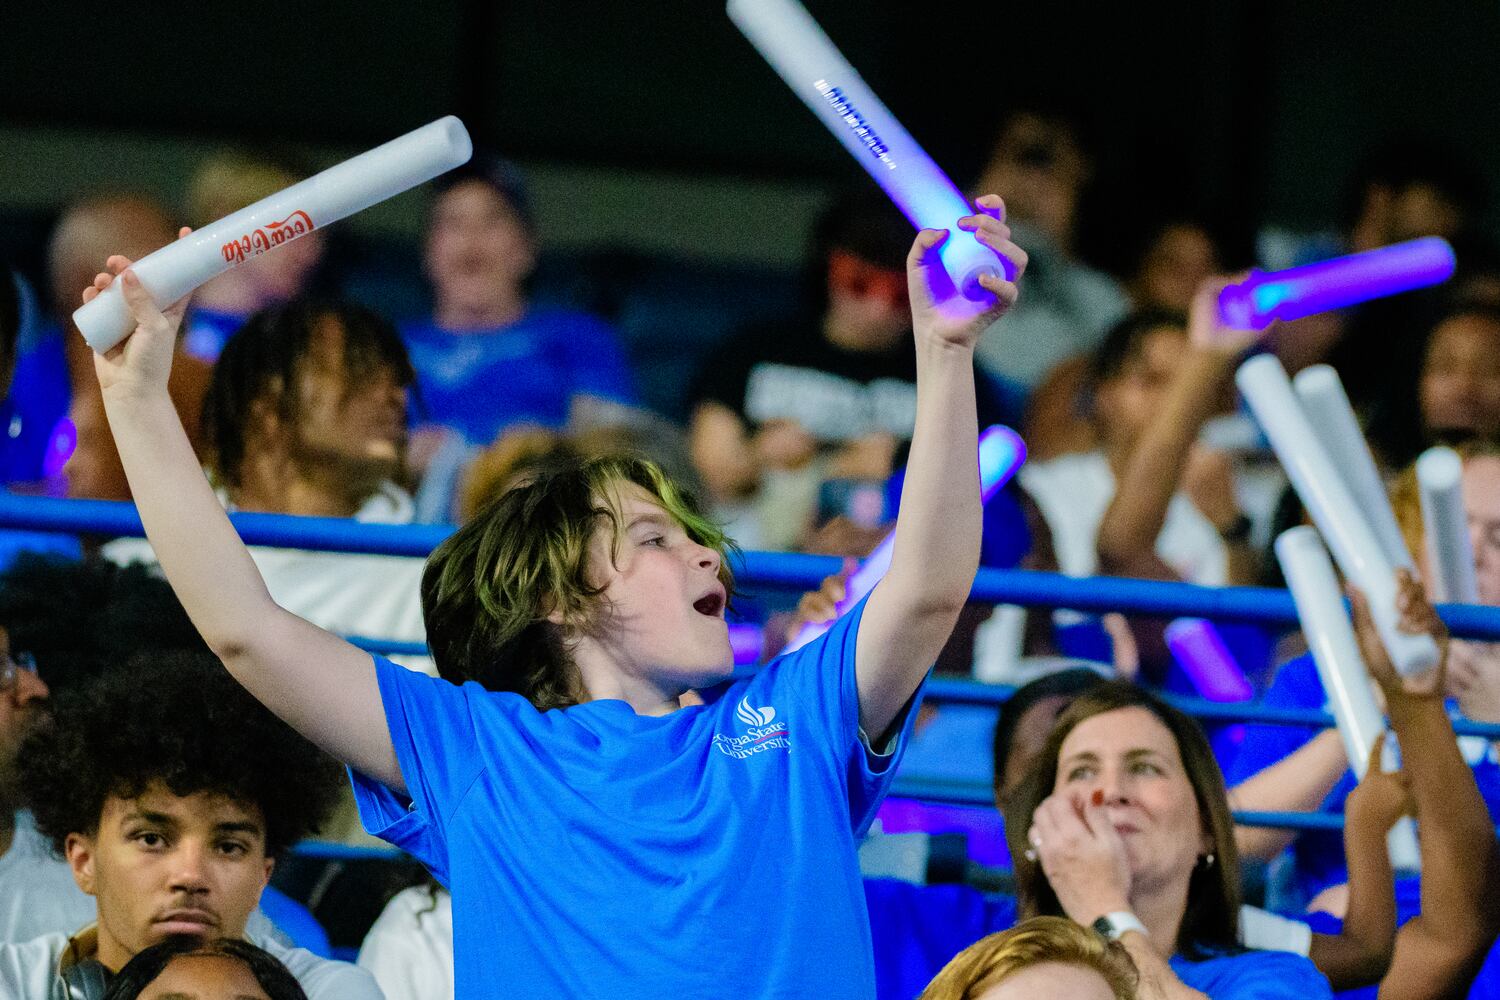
point(1082, 855)
point(1474, 678)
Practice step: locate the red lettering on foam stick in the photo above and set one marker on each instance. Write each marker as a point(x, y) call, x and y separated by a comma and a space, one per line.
point(274, 234)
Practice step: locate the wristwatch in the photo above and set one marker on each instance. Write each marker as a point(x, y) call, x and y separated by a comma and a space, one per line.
point(1113, 926)
point(1237, 530)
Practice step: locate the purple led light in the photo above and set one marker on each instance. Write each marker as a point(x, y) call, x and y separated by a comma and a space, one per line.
point(1199, 649)
point(746, 640)
point(61, 444)
point(1262, 298)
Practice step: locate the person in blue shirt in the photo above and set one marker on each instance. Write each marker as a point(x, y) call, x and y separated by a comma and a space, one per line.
point(489, 357)
point(1122, 824)
point(1294, 768)
point(604, 831)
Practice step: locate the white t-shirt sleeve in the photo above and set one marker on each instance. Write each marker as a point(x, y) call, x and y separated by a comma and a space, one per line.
point(1266, 931)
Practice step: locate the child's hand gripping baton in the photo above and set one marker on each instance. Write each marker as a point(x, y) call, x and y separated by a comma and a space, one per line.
point(1446, 525)
point(798, 50)
point(1264, 297)
point(352, 186)
point(1335, 651)
point(1001, 453)
point(1331, 501)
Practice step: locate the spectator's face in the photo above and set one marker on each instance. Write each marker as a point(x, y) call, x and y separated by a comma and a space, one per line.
point(1419, 210)
point(204, 977)
point(1132, 396)
point(1028, 739)
point(1132, 758)
point(868, 306)
point(20, 703)
point(666, 617)
point(478, 249)
point(1460, 384)
point(164, 864)
point(1173, 267)
point(1051, 981)
point(1039, 169)
point(349, 419)
point(1481, 486)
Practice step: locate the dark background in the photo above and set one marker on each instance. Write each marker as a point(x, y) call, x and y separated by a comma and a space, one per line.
point(1254, 110)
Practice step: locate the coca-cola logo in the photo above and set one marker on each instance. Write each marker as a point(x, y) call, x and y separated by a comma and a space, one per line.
point(268, 237)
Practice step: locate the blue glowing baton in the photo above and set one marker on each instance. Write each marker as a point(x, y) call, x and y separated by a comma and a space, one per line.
point(797, 49)
point(1001, 453)
point(1262, 298)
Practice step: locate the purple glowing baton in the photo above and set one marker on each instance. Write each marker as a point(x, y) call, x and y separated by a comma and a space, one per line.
point(1203, 655)
point(1262, 298)
point(1001, 453)
point(797, 49)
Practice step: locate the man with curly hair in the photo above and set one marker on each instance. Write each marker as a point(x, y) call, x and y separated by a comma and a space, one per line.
point(170, 792)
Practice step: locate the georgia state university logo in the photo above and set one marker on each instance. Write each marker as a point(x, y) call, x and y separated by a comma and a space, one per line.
point(762, 732)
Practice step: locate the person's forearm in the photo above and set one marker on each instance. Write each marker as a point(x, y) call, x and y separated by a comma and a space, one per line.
point(912, 611)
point(1157, 980)
point(200, 553)
point(1360, 954)
point(1244, 564)
point(938, 528)
point(1155, 468)
point(1456, 836)
point(1298, 782)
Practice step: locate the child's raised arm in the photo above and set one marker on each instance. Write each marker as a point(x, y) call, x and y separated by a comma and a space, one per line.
point(324, 687)
point(912, 610)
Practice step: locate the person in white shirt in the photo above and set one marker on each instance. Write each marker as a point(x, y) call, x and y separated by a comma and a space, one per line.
point(36, 893)
point(170, 792)
point(307, 415)
point(409, 949)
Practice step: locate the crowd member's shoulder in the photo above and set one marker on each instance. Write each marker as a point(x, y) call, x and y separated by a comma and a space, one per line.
point(29, 968)
point(323, 978)
point(1254, 975)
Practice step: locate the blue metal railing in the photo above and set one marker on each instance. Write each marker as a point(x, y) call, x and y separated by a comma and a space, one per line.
point(792, 571)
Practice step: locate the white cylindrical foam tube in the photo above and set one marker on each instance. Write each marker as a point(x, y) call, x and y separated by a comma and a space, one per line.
point(1333, 420)
point(1446, 526)
point(352, 186)
point(1335, 651)
point(803, 55)
point(1339, 517)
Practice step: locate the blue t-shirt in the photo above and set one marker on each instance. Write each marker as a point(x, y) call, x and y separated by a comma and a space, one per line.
point(594, 852)
point(1318, 855)
point(1253, 975)
point(480, 382)
point(918, 929)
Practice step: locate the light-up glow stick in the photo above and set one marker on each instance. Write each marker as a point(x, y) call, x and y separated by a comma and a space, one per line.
point(1263, 383)
point(797, 49)
point(1446, 526)
point(1201, 652)
point(1262, 298)
point(1001, 453)
point(352, 186)
point(1335, 651)
point(1332, 419)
